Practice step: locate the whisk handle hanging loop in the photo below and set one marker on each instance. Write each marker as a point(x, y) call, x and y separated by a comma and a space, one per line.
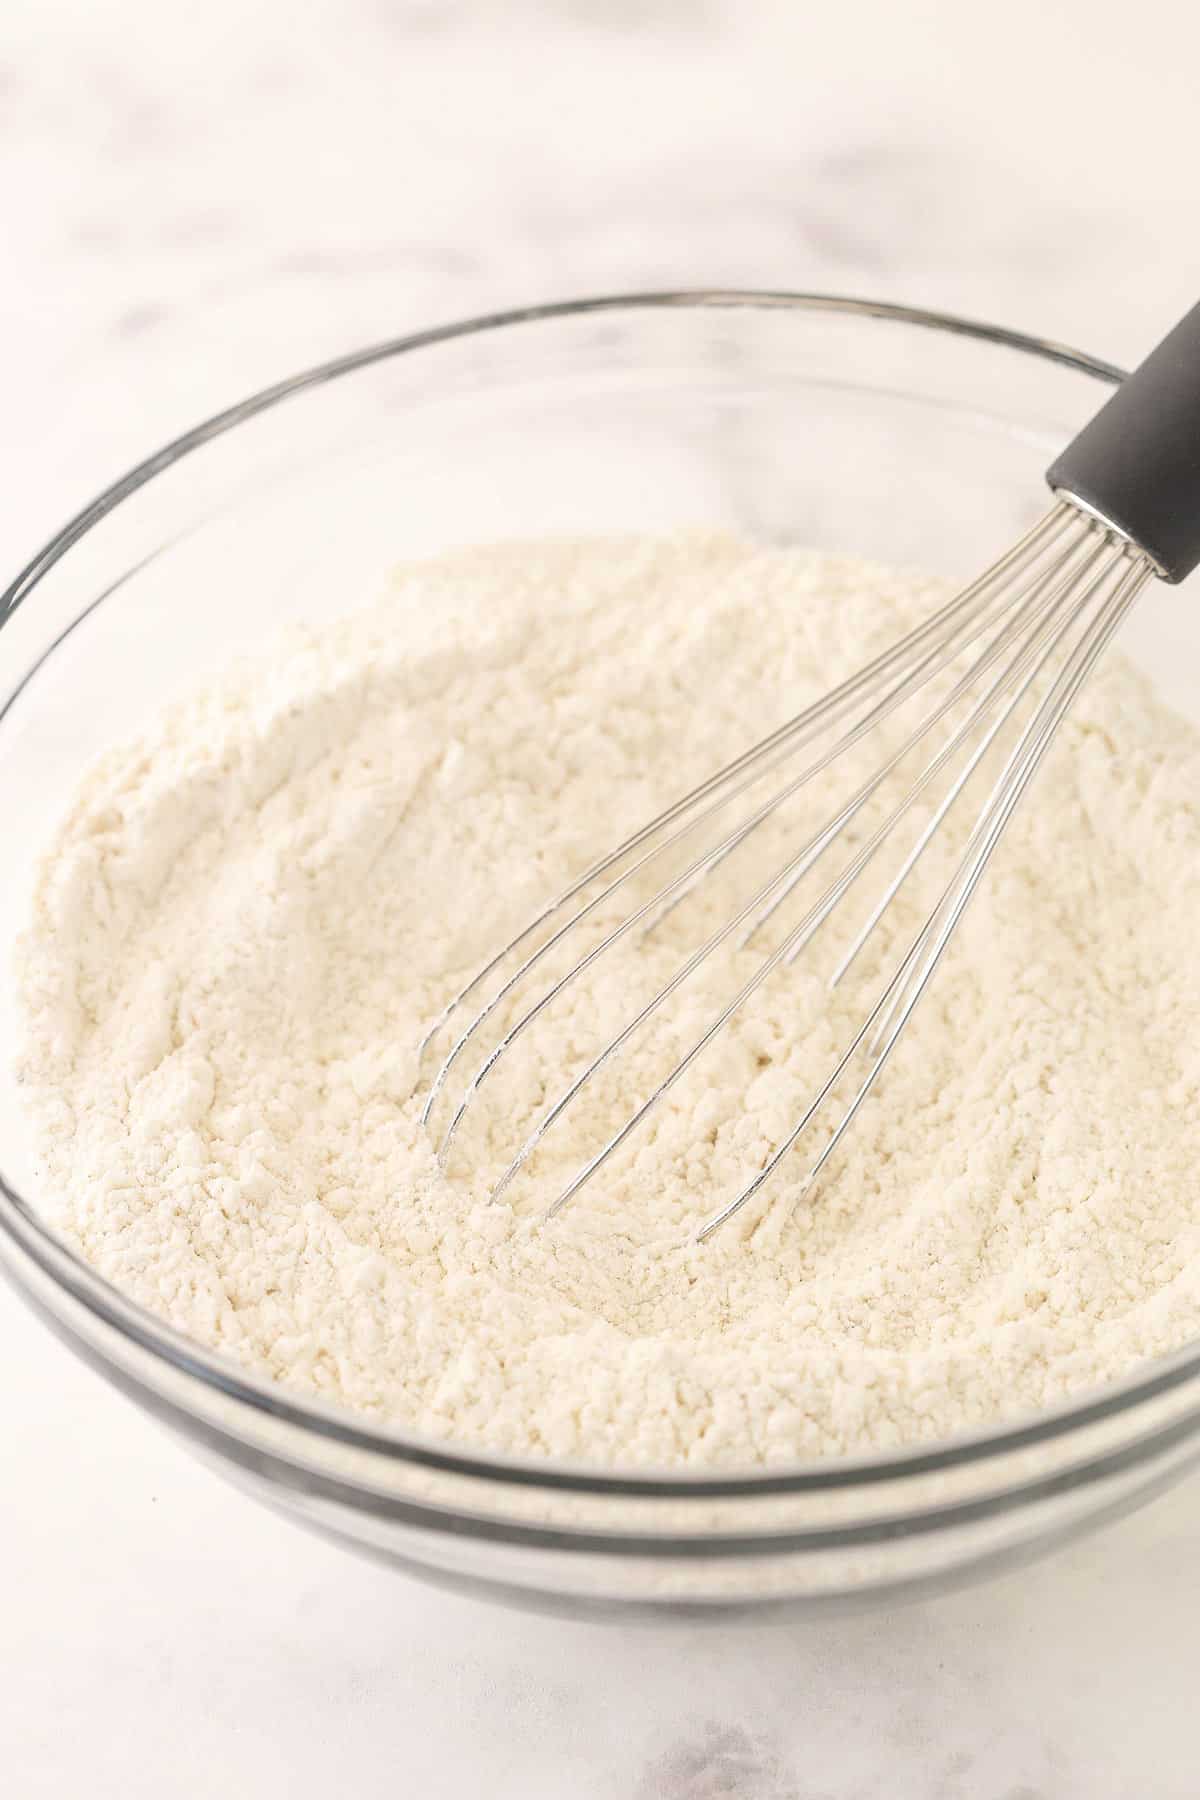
point(1137, 463)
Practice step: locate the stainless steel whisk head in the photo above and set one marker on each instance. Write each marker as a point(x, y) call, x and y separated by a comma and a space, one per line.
point(991, 676)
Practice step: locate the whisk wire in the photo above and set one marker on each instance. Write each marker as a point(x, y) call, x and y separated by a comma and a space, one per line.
point(803, 932)
point(1059, 593)
point(961, 633)
point(1042, 596)
point(900, 997)
point(1058, 627)
point(1060, 519)
point(1046, 721)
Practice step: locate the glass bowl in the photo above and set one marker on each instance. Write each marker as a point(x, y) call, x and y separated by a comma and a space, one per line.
point(908, 436)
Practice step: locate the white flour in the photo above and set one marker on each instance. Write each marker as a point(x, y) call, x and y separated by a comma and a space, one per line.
point(251, 914)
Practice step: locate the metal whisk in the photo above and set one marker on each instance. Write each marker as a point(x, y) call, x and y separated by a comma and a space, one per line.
point(995, 671)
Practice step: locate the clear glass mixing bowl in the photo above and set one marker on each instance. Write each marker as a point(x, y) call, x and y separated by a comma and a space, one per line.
point(908, 436)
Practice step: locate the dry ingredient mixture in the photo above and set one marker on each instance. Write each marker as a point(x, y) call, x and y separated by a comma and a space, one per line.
point(251, 914)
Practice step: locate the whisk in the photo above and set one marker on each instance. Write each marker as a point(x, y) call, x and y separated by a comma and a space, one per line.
point(995, 671)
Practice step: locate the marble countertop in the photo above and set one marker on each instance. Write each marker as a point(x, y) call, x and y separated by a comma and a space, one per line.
point(199, 201)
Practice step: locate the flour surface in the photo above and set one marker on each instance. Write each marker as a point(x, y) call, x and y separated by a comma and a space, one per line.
point(251, 914)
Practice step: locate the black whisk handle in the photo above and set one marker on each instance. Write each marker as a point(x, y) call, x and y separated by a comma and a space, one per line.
point(1137, 463)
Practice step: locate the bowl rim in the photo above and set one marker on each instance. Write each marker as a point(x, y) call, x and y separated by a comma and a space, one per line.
point(32, 1237)
point(700, 299)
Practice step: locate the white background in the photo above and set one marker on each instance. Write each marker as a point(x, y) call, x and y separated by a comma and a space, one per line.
point(195, 200)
